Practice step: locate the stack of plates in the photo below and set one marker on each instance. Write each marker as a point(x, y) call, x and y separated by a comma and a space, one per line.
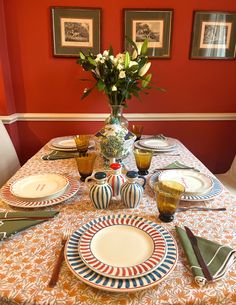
point(156, 144)
point(65, 144)
point(198, 186)
point(39, 190)
point(121, 253)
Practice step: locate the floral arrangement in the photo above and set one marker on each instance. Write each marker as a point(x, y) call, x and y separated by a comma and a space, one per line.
point(120, 77)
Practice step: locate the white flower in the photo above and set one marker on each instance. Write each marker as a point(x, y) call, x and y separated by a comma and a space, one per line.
point(105, 53)
point(144, 69)
point(120, 66)
point(97, 72)
point(115, 61)
point(120, 57)
point(122, 74)
point(113, 88)
point(133, 63)
point(134, 55)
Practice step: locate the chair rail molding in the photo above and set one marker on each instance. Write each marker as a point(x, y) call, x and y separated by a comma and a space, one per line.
point(8, 119)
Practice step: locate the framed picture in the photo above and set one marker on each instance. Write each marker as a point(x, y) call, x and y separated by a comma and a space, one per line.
point(76, 29)
point(151, 24)
point(213, 35)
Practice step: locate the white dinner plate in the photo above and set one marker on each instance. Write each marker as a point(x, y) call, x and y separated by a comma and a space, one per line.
point(126, 249)
point(65, 144)
point(38, 187)
point(12, 200)
point(157, 143)
point(195, 183)
point(158, 150)
point(211, 194)
point(92, 278)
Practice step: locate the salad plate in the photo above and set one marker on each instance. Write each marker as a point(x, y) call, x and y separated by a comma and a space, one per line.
point(94, 279)
point(41, 186)
point(157, 143)
point(213, 192)
point(66, 144)
point(195, 183)
point(122, 249)
point(155, 150)
point(7, 196)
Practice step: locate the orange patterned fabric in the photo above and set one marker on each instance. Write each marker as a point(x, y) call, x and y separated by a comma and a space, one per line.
point(27, 258)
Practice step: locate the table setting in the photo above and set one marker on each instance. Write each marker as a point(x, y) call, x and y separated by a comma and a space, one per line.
point(117, 217)
point(90, 259)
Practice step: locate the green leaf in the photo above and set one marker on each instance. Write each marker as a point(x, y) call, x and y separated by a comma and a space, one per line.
point(100, 85)
point(111, 51)
point(81, 55)
point(86, 79)
point(132, 43)
point(127, 60)
point(146, 80)
point(144, 47)
point(92, 61)
point(86, 93)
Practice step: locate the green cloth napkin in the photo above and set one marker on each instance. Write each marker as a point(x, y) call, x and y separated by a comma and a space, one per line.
point(9, 227)
point(219, 258)
point(57, 155)
point(178, 165)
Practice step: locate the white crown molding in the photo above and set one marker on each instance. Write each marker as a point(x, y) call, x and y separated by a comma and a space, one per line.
point(8, 119)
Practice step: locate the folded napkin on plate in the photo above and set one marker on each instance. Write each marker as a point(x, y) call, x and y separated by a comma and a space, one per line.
point(57, 155)
point(217, 257)
point(9, 227)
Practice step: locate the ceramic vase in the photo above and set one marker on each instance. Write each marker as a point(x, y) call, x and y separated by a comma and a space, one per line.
point(114, 139)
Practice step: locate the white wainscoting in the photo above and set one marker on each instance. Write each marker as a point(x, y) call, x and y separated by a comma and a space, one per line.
point(8, 119)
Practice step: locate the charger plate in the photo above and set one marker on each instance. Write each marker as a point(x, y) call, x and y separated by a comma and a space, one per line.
point(9, 198)
point(92, 278)
point(41, 186)
point(211, 194)
point(195, 183)
point(122, 249)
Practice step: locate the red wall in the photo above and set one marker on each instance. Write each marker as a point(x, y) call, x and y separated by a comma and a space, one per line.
point(43, 83)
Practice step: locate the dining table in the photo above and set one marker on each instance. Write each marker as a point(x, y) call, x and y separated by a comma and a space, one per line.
point(28, 257)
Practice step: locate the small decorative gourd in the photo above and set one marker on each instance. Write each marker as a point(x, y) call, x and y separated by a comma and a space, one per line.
point(100, 192)
point(116, 179)
point(131, 190)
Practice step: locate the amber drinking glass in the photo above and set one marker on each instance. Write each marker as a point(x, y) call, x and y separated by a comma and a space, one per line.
point(143, 160)
point(168, 195)
point(137, 130)
point(82, 142)
point(85, 163)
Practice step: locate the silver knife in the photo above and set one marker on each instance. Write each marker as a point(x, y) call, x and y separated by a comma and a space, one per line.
point(202, 264)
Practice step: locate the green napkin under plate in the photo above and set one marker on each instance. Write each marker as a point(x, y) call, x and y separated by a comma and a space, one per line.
point(10, 227)
point(218, 258)
point(178, 165)
point(57, 155)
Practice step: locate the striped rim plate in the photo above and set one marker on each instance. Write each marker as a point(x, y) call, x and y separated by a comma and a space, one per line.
point(211, 194)
point(122, 247)
point(92, 278)
point(12, 200)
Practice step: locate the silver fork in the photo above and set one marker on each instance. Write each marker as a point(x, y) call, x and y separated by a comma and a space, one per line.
point(57, 268)
point(183, 209)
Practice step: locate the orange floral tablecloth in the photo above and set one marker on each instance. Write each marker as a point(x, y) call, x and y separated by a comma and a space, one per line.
point(27, 258)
